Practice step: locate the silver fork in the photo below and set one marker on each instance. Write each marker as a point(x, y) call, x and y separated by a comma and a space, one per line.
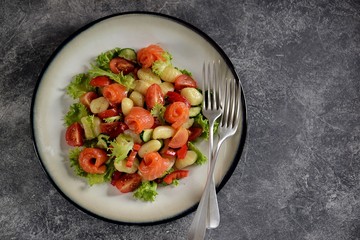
point(228, 125)
point(211, 109)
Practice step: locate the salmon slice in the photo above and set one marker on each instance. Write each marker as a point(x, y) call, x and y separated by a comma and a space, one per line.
point(92, 160)
point(154, 166)
point(146, 56)
point(177, 114)
point(115, 93)
point(139, 119)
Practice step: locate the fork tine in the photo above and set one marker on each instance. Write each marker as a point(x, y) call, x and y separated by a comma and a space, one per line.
point(204, 73)
point(234, 102)
point(235, 108)
point(228, 104)
point(205, 85)
point(213, 83)
point(218, 85)
point(238, 97)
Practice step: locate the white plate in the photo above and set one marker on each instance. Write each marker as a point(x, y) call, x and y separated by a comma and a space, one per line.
point(190, 48)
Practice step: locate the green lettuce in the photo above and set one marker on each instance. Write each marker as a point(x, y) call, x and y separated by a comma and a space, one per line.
point(201, 121)
point(79, 85)
point(75, 113)
point(74, 161)
point(104, 58)
point(127, 80)
point(101, 178)
point(201, 158)
point(146, 191)
point(159, 65)
point(186, 72)
point(158, 111)
point(121, 147)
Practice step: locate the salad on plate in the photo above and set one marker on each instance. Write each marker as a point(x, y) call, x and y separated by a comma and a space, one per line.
point(134, 121)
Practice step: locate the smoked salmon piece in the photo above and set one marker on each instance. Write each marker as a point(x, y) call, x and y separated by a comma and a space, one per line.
point(139, 119)
point(92, 160)
point(154, 166)
point(177, 113)
point(146, 56)
point(115, 93)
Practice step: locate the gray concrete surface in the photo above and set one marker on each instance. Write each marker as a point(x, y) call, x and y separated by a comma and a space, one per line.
point(299, 62)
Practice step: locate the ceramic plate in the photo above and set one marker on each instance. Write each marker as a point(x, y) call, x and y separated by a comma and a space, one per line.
point(189, 47)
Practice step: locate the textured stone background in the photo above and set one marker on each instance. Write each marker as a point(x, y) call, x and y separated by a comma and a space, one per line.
point(299, 62)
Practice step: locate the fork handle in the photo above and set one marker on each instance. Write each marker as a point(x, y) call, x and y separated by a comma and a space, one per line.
point(198, 226)
point(213, 218)
point(197, 229)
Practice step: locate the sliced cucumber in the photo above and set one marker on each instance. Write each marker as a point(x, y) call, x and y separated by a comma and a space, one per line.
point(128, 54)
point(194, 111)
point(146, 135)
point(91, 125)
point(102, 141)
point(121, 166)
point(188, 123)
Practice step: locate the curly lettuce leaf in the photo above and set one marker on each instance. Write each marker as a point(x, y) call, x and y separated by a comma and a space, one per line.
point(146, 191)
point(75, 113)
point(159, 65)
point(79, 85)
point(158, 111)
point(201, 158)
point(104, 58)
point(101, 178)
point(121, 147)
point(186, 72)
point(201, 121)
point(74, 161)
point(127, 80)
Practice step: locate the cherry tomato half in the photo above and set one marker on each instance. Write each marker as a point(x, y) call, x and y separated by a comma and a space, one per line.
point(100, 81)
point(184, 81)
point(154, 95)
point(176, 97)
point(113, 129)
point(128, 182)
point(119, 64)
point(74, 135)
point(195, 132)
